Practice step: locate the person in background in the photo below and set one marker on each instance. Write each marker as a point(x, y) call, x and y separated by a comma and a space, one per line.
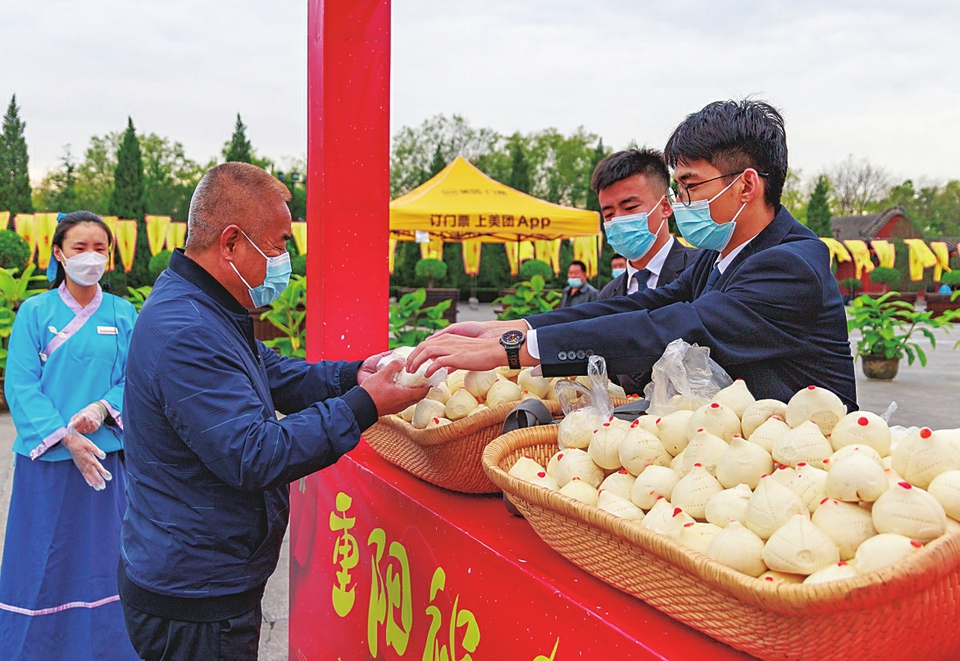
point(209, 460)
point(578, 290)
point(760, 294)
point(632, 187)
point(618, 266)
point(64, 384)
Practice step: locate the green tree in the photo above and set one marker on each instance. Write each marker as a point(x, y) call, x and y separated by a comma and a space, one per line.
point(15, 194)
point(818, 211)
point(57, 190)
point(127, 201)
point(239, 148)
point(793, 197)
point(169, 177)
point(519, 178)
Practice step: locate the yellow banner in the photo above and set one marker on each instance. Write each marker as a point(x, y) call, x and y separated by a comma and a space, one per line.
point(471, 256)
point(886, 252)
point(25, 227)
point(549, 252)
point(683, 241)
point(176, 236)
point(127, 242)
point(392, 259)
point(587, 249)
point(44, 224)
point(111, 222)
point(836, 249)
point(4, 219)
point(299, 231)
point(942, 253)
point(517, 252)
point(861, 256)
point(433, 249)
point(921, 257)
point(156, 232)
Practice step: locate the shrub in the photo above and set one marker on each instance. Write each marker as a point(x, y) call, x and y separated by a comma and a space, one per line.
point(14, 251)
point(885, 275)
point(430, 270)
point(298, 265)
point(158, 263)
point(115, 282)
point(533, 267)
point(951, 278)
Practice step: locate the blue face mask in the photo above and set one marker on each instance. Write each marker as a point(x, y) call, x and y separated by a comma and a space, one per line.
point(698, 227)
point(274, 282)
point(616, 273)
point(576, 283)
point(630, 235)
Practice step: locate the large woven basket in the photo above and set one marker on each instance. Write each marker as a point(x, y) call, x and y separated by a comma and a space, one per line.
point(905, 611)
point(447, 456)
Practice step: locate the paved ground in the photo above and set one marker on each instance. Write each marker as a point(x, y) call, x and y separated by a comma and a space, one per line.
point(924, 397)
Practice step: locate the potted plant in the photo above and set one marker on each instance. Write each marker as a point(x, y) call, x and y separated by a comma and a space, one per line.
point(13, 291)
point(853, 285)
point(886, 328)
point(429, 271)
point(884, 275)
point(288, 315)
point(411, 323)
point(940, 303)
point(531, 297)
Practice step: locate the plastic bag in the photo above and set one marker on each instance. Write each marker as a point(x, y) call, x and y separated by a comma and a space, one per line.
point(584, 408)
point(685, 377)
point(416, 380)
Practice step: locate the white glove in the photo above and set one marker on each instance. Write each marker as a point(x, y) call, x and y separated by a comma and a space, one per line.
point(89, 419)
point(85, 454)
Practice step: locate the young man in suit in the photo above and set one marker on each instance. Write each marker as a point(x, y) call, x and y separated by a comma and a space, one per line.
point(632, 186)
point(760, 295)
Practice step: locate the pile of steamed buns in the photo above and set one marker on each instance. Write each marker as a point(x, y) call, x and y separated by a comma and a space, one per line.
point(792, 492)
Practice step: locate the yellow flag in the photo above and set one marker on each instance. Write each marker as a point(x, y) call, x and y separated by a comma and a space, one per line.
point(391, 260)
point(921, 258)
point(4, 219)
point(111, 222)
point(299, 231)
point(471, 256)
point(127, 242)
point(176, 236)
point(861, 256)
point(156, 232)
point(45, 224)
point(836, 250)
point(549, 251)
point(27, 230)
point(517, 253)
point(433, 249)
point(586, 249)
point(886, 252)
point(940, 249)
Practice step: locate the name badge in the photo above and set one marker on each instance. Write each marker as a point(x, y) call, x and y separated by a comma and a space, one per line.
point(107, 330)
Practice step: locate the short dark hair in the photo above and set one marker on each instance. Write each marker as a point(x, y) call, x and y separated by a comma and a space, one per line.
point(733, 136)
point(618, 256)
point(64, 225)
point(622, 164)
point(577, 262)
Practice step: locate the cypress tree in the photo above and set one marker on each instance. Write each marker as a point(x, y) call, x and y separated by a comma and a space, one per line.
point(519, 166)
point(438, 162)
point(818, 210)
point(14, 179)
point(239, 150)
point(127, 201)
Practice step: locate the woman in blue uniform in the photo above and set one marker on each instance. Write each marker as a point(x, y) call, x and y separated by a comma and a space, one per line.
point(64, 384)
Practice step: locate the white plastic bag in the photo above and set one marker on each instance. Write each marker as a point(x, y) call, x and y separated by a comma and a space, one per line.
point(574, 395)
point(685, 377)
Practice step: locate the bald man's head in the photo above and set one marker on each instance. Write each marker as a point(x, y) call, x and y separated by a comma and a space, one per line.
point(232, 194)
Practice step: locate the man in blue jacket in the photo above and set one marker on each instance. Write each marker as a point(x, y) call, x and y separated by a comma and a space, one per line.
point(208, 460)
point(760, 295)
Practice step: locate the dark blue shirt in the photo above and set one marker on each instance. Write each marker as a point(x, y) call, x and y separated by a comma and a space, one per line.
point(207, 458)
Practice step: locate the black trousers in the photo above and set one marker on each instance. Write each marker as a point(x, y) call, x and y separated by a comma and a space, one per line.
point(160, 639)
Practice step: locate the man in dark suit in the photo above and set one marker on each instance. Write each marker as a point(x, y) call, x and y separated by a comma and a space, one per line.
point(760, 295)
point(632, 186)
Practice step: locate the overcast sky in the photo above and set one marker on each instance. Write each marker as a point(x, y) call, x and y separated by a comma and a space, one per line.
point(876, 79)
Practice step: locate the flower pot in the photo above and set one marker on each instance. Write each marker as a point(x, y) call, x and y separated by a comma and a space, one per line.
point(880, 368)
point(940, 303)
point(438, 295)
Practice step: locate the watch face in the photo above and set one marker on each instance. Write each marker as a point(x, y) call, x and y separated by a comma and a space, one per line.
point(512, 337)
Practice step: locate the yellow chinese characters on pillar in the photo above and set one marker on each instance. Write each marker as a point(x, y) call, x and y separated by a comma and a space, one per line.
point(346, 555)
point(464, 632)
point(390, 596)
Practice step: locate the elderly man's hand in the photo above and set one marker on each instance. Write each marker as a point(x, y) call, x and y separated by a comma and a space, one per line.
point(391, 397)
point(369, 366)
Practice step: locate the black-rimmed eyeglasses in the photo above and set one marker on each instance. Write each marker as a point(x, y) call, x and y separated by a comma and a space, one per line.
point(682, 190)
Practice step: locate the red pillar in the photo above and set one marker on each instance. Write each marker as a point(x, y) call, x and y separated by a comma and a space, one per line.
point(348, 177)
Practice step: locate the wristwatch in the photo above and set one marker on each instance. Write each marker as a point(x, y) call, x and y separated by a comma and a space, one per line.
point(512, 340)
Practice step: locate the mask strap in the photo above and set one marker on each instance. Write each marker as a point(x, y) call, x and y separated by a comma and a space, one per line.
point(254, 247)
point(710, 201)
point(238, 273)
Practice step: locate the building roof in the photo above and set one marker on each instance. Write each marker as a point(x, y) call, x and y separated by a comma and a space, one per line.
point(864, 227)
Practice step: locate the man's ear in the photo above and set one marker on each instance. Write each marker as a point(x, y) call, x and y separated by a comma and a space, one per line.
point(754, 186)
point(228, 241)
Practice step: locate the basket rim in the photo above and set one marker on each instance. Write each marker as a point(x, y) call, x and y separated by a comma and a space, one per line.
point(910, 575)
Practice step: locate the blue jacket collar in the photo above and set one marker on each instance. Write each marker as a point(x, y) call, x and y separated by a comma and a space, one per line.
point(195, 274)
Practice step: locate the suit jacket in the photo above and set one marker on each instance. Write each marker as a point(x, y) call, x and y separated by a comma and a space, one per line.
point(775, 318)
point(679, 257)
point(585, 294)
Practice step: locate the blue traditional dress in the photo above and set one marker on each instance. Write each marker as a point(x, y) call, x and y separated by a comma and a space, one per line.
point(58, 579)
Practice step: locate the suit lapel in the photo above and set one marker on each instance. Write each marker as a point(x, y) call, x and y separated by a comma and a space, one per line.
point(771, 235)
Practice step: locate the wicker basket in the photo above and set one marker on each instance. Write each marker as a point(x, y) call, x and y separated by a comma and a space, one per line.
point(904, 611)
point(447, 456)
